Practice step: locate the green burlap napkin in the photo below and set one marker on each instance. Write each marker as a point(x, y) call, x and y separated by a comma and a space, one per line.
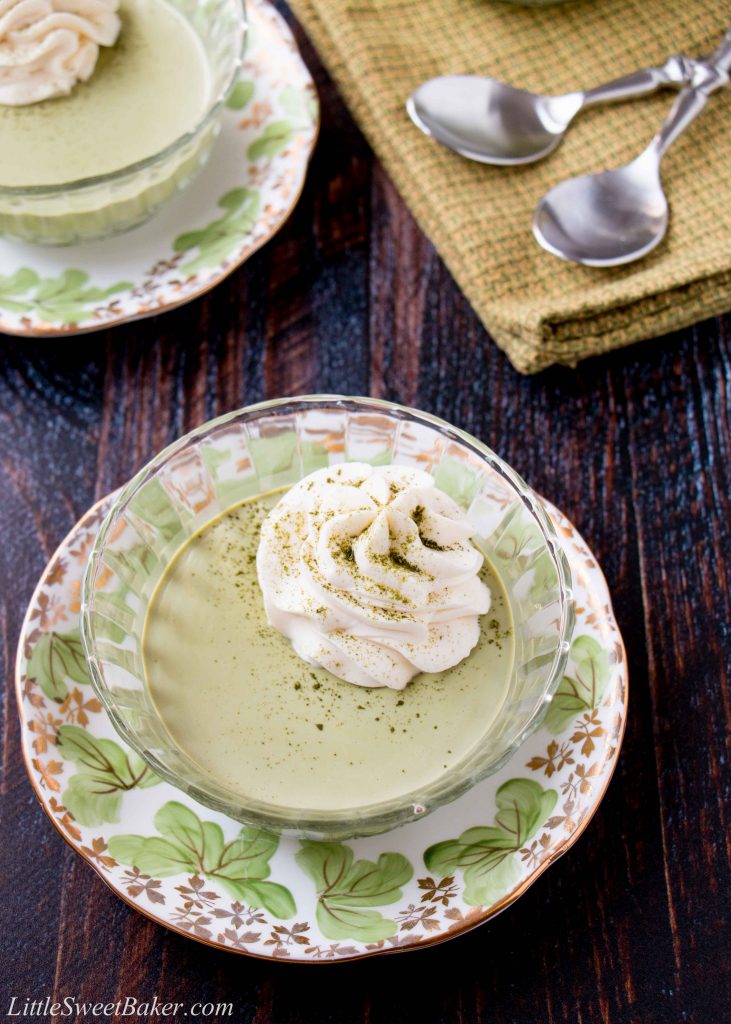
point(539, 309)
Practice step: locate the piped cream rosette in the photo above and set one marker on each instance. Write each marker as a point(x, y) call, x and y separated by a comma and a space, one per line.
point(371, 573)
point(47, 46)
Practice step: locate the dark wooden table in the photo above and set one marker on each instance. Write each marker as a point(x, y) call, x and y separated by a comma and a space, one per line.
point(351, 297)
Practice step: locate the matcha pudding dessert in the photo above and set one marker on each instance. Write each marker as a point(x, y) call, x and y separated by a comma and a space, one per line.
point(326, 616)
point(348, 628)
point(107, 109)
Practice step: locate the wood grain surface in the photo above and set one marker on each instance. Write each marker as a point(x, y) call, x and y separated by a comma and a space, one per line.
point(350, 297)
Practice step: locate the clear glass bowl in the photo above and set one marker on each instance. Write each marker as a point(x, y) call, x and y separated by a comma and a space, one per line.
point(101, 206)
point(268, 446)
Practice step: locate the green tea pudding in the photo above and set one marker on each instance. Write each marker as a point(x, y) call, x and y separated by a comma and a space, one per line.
point(255, 716)
point(48, 46)
point(372, 575)
point(106, 114)
point(146, 91)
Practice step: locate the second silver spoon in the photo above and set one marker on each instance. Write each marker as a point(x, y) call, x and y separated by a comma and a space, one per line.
point(494, 123)
point(615, 217)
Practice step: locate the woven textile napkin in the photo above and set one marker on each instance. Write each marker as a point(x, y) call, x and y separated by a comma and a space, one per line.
point(539, 309)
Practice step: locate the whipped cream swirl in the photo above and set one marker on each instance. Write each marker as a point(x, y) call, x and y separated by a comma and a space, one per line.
point(371, 574)
point(47, 46)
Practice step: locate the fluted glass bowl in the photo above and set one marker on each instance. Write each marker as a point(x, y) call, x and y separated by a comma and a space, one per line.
point(275, 444)
point(107, 204)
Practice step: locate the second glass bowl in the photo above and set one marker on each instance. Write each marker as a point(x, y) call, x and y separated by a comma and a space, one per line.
point(105, 205)
point(272, 445)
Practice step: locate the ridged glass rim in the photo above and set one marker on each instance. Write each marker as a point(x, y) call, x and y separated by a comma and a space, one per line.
point(79, 184)
point(373, 818)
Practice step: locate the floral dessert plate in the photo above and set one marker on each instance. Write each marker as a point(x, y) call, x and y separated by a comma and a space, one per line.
point(242, 889)
point(241, 198)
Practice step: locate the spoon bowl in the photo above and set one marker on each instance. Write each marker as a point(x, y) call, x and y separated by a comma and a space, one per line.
point(607, 219)
point(489, 121)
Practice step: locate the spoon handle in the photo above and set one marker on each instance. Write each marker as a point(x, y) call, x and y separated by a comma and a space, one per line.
point(706, 80)
point(675, 71)
point(721, 58)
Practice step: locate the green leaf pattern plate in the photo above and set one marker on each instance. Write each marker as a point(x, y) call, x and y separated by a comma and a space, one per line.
point(241, 198)
point(243, 889)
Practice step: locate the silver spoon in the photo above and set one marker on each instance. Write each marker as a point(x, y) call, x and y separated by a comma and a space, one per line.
point(494, 123)
point(607, 219)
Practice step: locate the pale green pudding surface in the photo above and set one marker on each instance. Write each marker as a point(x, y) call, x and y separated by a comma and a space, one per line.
point(148, 89)
point(238, 700)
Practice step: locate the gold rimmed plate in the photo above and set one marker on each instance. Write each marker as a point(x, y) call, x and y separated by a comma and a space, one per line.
point(244, 890)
